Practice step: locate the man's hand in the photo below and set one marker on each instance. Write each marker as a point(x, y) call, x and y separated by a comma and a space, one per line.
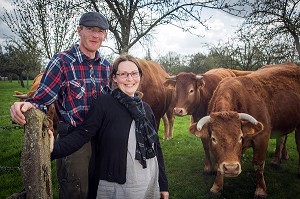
point(17, 110)
point(51, 140)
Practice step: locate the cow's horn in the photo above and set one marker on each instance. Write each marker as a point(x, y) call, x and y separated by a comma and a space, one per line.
point(24, 96)
point(199, 76)
point(245, 116)
point(202, 122)
point(171, 77)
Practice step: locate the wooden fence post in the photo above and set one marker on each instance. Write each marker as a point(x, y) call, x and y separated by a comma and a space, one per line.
point(35, 157)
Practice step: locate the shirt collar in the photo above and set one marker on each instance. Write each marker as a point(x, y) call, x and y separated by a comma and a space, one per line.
point(81, 56)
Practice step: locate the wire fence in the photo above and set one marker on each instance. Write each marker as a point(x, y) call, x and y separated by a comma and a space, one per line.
point(7, 169)
point(11, 127)
point(3, 168)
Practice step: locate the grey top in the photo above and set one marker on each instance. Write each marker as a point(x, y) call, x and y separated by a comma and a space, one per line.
point(140, 183)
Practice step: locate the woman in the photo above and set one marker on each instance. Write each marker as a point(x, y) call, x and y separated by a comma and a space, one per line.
point(128, 157)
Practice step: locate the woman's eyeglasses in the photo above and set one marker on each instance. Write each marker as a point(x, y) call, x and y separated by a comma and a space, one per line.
point(123, 75)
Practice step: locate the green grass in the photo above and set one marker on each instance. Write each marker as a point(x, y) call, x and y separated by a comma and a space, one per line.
point(11, 144)
point(183, 158)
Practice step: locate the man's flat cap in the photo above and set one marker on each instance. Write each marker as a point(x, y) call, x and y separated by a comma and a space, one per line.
point(94, 19)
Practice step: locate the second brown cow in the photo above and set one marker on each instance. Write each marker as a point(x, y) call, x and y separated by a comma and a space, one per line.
point(245, 112)
point(193, 93)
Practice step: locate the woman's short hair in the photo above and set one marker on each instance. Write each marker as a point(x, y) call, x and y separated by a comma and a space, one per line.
point(122, 58)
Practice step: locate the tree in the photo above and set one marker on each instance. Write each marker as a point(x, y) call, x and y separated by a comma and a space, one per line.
point(148, 55)
point(247, 52)
point(19, 60)
point(274, 19)
point(197, 64)
point(50, 24)
point(172, 62)
point(219, 56)
point(134, 21)
point(253, 51)
point(4, 61)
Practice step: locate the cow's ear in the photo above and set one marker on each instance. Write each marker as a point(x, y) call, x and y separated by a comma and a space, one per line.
point(203, 133)
point(200, 83)
point(250, 129)
point(170, 84)
point(21, 97)
point(18, 93)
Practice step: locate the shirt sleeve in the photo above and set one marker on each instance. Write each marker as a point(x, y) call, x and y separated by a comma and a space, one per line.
point(50, 85)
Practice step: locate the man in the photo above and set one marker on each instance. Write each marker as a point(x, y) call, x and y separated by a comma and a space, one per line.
point(72, 80)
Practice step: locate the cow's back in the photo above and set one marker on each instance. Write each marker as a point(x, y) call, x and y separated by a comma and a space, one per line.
point(270, 94)
point(35, 85)
point(226, 72)
point(281, 84)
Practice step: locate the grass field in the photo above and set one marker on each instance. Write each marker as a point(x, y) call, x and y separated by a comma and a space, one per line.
point(183, 158)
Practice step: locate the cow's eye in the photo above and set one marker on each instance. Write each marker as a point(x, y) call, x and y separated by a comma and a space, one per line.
point(191, 91)
point(213, 139)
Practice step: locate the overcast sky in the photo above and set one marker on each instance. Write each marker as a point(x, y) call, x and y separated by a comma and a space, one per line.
point(169, 38)
point(4, 4)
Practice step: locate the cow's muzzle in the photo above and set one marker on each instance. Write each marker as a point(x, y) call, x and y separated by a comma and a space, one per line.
point(230, 169)
point(180, 111)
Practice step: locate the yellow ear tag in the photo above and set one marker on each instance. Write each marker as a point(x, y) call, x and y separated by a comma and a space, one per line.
point(251, 131)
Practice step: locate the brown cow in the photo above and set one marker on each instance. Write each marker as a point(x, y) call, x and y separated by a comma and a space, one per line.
point(242, 113)
point(51, 114)
point(168, 120)
point(155, 94)
point(193, 93)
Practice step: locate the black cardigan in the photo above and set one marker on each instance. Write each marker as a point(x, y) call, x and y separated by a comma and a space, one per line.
point(108, 122)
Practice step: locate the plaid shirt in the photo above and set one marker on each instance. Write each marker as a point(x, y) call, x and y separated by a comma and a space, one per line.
point(72, 81)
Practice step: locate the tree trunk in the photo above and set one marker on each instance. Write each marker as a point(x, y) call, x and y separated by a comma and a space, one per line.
point(21, 81)
point(296, 39)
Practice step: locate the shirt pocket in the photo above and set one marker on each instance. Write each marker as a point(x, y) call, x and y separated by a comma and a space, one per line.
point(77, 89)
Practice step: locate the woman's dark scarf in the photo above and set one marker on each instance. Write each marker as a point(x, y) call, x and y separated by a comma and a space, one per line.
point(145, 132)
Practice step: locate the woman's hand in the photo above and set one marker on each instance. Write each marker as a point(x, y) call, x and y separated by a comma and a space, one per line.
point(164, 195)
